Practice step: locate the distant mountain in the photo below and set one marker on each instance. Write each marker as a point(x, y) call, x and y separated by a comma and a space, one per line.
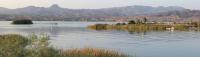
point(55, 12)
point(182, 14)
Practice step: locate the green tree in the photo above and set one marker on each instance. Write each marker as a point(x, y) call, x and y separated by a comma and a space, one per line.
point(145, 20)
point(132, 22)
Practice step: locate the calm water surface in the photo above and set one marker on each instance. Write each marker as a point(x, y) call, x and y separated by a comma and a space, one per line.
point(66, 35)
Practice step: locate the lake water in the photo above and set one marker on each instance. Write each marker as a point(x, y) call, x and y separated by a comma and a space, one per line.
point(66, 35)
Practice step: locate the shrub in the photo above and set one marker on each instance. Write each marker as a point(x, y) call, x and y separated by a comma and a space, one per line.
point(120, 24)
point(12, 45)
point(132, 22)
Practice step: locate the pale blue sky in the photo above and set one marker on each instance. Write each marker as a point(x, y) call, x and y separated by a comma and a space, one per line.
point(94, 4)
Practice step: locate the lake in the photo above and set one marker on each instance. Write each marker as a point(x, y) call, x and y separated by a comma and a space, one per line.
point(65, 35)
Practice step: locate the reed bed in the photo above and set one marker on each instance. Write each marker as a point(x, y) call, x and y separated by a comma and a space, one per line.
point(140, 27)
point(93, 52)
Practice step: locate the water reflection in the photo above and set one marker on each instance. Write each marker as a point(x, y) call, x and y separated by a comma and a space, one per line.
point(135, 32)
point(54, 29)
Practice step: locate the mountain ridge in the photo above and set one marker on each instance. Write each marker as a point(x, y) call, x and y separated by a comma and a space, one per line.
point(55, 12)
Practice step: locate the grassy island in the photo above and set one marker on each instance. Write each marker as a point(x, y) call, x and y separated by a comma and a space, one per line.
point(140, 27)
point(14, 45)
point(143, 26)
point(22, 21)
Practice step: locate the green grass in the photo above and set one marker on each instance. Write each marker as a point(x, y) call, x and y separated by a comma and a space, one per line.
point(14, 45)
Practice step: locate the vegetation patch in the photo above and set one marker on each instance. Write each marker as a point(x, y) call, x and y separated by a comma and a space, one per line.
point(144, 25)
point(22, 21)
point(14, 45)
point(93, 52)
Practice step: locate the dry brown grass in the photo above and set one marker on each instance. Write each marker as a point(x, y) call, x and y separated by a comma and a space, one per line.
point(92, 52)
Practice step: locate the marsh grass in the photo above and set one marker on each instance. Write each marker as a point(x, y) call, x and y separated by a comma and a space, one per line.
point(14, 45)
point(93, 52)
point(140, 27)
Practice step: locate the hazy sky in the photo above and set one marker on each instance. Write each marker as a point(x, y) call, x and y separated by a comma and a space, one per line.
point(94, 4)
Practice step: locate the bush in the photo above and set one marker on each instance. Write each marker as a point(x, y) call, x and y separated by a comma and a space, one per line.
point(12, 45)
point(118, 24)
point(132, 22)
point(22, 21)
